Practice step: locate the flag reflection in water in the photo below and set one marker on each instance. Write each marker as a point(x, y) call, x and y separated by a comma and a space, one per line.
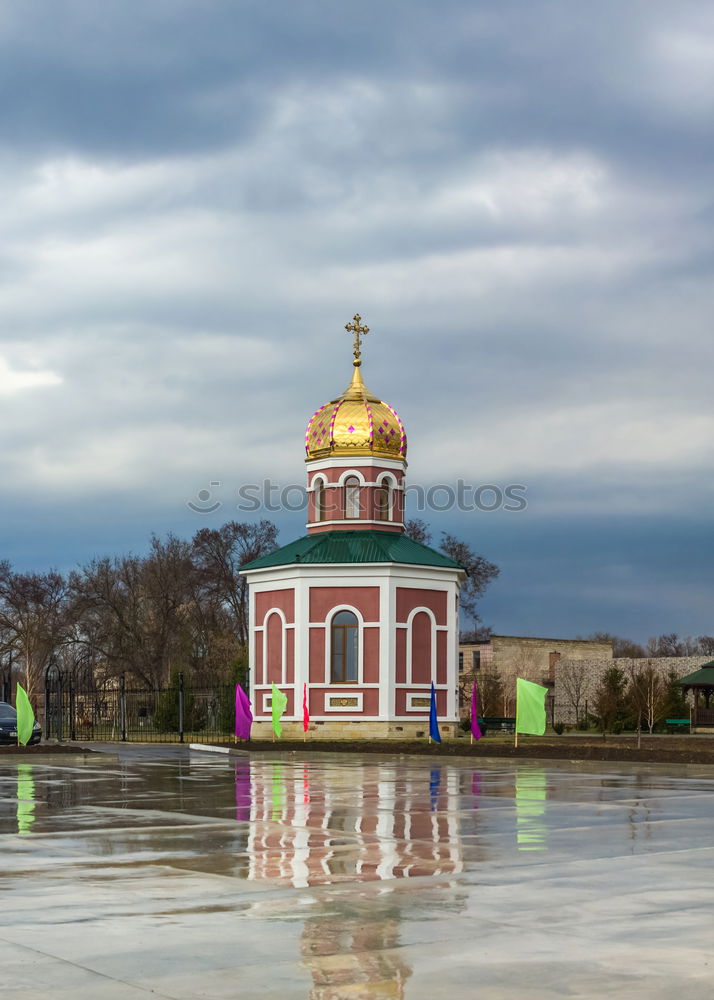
point(243, 791)
point(25, 798)
point(531, 796)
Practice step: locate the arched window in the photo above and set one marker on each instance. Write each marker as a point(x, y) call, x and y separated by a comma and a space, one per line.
point(344, 645)
point(352, 505)
point(422, 637)
point(382, 503)
point(273, 632)
point(320, 501)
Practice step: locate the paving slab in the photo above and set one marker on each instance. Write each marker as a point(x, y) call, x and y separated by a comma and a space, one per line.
point(170, 873)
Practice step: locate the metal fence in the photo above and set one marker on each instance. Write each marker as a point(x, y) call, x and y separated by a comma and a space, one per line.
point(178, 713)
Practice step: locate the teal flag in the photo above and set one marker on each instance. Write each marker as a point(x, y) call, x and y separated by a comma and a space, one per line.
point(25, 715)
point(530, 707)
point(278, 704)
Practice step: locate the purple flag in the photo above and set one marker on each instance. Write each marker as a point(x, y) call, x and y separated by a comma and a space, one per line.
point(244, 716)
point(243, 792)
point(475, 728)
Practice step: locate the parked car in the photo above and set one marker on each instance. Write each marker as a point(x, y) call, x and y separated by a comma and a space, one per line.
point(8, 726)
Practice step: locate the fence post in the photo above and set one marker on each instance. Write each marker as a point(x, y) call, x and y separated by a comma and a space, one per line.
point(60, 705)
point(48, 734)
point(181, 704)
point(122, 707)
point(72, 712)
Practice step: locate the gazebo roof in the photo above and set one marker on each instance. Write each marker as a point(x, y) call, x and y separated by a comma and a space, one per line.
point(704, 677)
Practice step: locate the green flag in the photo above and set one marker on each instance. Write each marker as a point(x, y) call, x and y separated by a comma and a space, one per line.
point(278, 703)
point(530, 707)
point(25, 798)
point(25, 715)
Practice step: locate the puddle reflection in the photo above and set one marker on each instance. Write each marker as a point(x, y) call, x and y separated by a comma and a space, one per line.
point(531, 795)
point(355, 954)
point(25, 798)
point(366, 823)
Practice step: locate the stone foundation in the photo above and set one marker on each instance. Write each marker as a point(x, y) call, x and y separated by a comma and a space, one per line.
point(406, 730)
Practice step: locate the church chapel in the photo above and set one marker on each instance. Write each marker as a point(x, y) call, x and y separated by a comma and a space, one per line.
point(355, 617)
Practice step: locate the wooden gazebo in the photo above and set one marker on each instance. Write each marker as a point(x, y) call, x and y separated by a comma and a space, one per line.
point(701, 684)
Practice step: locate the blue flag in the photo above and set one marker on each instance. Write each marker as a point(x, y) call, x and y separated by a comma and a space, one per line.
point(433, 721)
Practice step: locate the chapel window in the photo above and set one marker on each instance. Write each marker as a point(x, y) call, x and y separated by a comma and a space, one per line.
point(345, 638)
point(320, 501)
point(382, 503)
point(352, 504)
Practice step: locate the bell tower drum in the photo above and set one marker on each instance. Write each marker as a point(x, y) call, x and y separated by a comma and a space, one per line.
point(356, 456)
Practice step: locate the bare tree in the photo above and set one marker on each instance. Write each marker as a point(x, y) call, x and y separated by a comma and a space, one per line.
point(490, 694)
point(135, 612)
point(646, 692)
point(418, 531)
point(574, 681)
point(665, 645)
point(621, 647)
point(480, 572)
point(220, 553)
point(33, 620)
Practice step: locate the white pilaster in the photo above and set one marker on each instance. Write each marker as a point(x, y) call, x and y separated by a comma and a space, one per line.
point(387, 647)
point(301, 641)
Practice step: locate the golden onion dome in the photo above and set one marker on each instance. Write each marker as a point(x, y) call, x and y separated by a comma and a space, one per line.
point(356, 423)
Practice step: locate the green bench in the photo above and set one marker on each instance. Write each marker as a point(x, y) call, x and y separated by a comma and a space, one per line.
point(501, 724)
point(676, 723)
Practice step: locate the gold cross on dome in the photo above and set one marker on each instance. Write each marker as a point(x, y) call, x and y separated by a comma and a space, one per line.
point(359, 331)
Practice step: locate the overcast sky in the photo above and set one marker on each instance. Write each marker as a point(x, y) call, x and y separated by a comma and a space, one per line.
point(517, 197)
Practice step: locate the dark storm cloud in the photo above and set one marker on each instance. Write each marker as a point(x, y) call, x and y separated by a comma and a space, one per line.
point(133, 78)
point(517, 198)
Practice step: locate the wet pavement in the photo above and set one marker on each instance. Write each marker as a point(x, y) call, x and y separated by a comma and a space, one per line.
point(169, 873)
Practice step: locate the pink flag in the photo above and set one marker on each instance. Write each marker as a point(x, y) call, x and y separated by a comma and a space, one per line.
point(244, 716)
point(475, 728)
point(305, 713)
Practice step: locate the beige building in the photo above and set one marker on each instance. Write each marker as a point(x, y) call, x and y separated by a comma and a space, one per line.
point(506, 657)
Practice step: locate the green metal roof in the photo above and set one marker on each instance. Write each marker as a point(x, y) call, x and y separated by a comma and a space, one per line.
point(353, 547)
point(703, 676)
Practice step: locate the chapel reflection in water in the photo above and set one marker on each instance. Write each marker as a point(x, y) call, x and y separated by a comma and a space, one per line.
point(364, 823)
point(368, 822)
point(357, 953)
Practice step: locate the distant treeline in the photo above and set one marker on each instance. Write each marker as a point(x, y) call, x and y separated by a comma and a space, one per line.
point(669, 644)
point(183, 606)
